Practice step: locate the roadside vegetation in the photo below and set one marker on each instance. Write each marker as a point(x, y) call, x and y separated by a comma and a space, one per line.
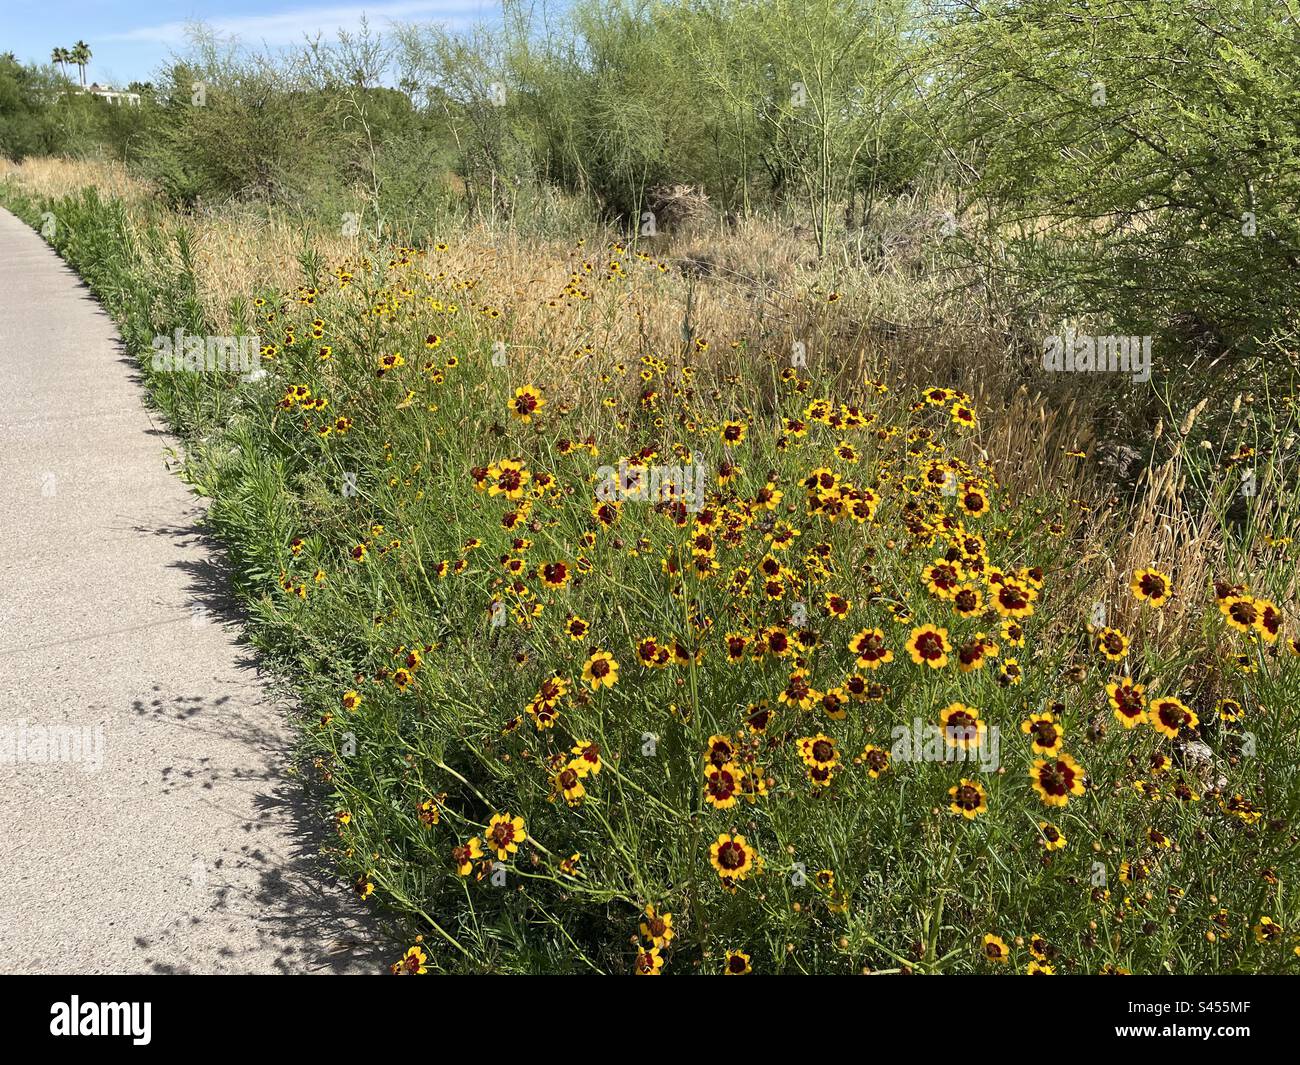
point(650, 479)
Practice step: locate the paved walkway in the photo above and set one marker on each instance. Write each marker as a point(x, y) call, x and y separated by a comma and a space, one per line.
point(175, 840)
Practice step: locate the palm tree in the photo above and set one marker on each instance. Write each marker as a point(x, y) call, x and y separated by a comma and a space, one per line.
point(81, 57)
point(60, 56)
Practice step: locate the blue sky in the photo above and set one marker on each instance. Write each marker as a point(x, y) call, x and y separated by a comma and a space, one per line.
point(130, 39)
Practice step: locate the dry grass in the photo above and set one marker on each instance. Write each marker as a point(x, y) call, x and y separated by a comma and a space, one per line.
point(56, 177)
point(241, 251)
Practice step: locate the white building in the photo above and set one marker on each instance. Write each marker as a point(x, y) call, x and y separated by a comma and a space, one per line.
point(115, 96)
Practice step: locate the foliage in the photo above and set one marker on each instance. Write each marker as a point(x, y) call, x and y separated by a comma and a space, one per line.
point(427, 615)
point(1137, 162)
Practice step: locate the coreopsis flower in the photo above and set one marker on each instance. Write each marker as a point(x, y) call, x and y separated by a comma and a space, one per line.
point(876, 759)
point(968, 798)
point(736, 963)
point(554, 575)
point(651, 654)
point(1240, 612)
point(1046, 733)
point(430, 812)
point(1050, 837)
point(1158, 839)
point(836, 606)
point(1013, 632)
point(869, 646)
point(351, 700)
point(994, 948)
point(412, 963)
point(600, 670)
point(774, 640)
point(819, 751)
point(553, 689)
point(719, 751)
point(736, 644)
point(1169, 716)
point(466, 855)
point(657, 927)
point(1112, 643)
point(962, 727)
point(928, 645)
point(733, 432)
point(586, 758)
point(1013, 598)
point(798, 693)
point(732, 857)
point(1133, 872)
point(835, 703)
point(967, 601)
point(1150, 586)
point(1269, 620)
point(942, 578)
point(1009, 672)
point(526, 402)
point(758, 717)
point(504, 834)
point(722, 785)
point(1127, 702)
point(963, 415)
point(973, 501)
point(1057, 778)
point(1267, 930)
point(648, 962)
point(754, 785)
point(566, 783)
point(508, 478)
point(975, 653)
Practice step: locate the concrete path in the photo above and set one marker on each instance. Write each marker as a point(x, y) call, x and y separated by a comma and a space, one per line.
point(174, 838)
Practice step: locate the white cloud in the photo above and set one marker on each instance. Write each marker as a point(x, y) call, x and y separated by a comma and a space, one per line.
point(289, 27)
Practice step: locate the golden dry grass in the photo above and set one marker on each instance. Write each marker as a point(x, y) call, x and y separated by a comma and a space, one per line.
point(55, 176)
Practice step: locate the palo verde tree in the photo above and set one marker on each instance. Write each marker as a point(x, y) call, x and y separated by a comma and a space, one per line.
point(826, 83)
point(1138, 162)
